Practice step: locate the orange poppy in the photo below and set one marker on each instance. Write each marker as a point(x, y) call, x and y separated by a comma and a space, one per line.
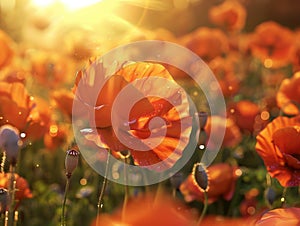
point(296, 53)
point(288, 96)
point(56, 136)
point(244, 113)
point(207, 43)
point(230, 14)
point(223, 69)
point(22, 187)
point(15, 104)
point(279, 147)
point(232, 132)
point(226, 221)
point(51, 70)
point(141, 114)
point(7, 49)
point(222, 180)
point(280, 217)
point(158, 210)
point(272, 44)
point(38, 120)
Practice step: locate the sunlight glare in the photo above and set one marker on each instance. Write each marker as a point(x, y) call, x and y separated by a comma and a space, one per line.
point(69, 4)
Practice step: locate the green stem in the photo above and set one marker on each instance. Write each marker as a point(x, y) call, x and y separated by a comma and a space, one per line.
point(283, 197)
point(174, 190)
point(126, 195)
point(104, 184)
point(63, 215)
point(204, 209)
point(9, 221)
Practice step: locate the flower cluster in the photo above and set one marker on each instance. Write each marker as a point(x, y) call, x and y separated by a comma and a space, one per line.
point(253, 180)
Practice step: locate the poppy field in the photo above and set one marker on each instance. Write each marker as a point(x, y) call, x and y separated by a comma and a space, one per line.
point(120, 117)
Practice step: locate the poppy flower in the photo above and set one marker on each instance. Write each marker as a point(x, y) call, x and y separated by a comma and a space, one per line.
point(222, 179)
point(161, 210)
point(223, 69)
point(296, 52)
point(280, 217)
point(38, 120)
point(272, 44)
point(140, 115)
point(207, 43)
point(63, 100)
point(22, 188)
point(51, 70)
point(279, 147)
point(288, 96)
point(15, 104)
point(230, 15)
point(226, 221)
point(232, 132)
point(56, 136)
point(244, 113)
point(7, 49)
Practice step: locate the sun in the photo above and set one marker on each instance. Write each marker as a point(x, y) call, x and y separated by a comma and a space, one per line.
point(69, 4)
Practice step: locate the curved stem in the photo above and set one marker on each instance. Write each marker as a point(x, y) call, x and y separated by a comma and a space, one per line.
point(104, 184)
point(63, 215)
point(204, 209)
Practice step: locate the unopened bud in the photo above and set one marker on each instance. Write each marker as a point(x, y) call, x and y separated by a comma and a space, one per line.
point(200, 176)
point(270, 195)
point(176, 180)
point(3, 200)
point(202, 119)
point(10, 142)
point(71, 161)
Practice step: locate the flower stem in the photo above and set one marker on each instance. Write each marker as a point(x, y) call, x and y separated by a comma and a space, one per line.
point(63, 215)
point(104, 184)
point(9, 221)
point(282, 199)
point(204, 209)
point(126, 195)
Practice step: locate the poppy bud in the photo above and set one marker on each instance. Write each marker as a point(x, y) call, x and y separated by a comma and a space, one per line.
point(9, 141)
point(71, 161)
point(200, 176)
point(270, 195)
point(3, 200)
point(176, 180)
point(202, 119)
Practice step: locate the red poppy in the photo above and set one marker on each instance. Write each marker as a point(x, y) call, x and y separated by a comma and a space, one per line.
point(51, 70)
point(296, 52)
point(226, 221)
point(56, 136)
point(279, 146)
point(232, 132)
point(288, 96)
point(280, 217)
point(207, 43)
point(22, 187)
point(244, 113)
point(6, 46)
point(223, 69)
point(222, 179)
point(141, 114)
point(15, 104)
point(272, 44)
point(38, 120)
point(230, 14)
point(161, 210)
